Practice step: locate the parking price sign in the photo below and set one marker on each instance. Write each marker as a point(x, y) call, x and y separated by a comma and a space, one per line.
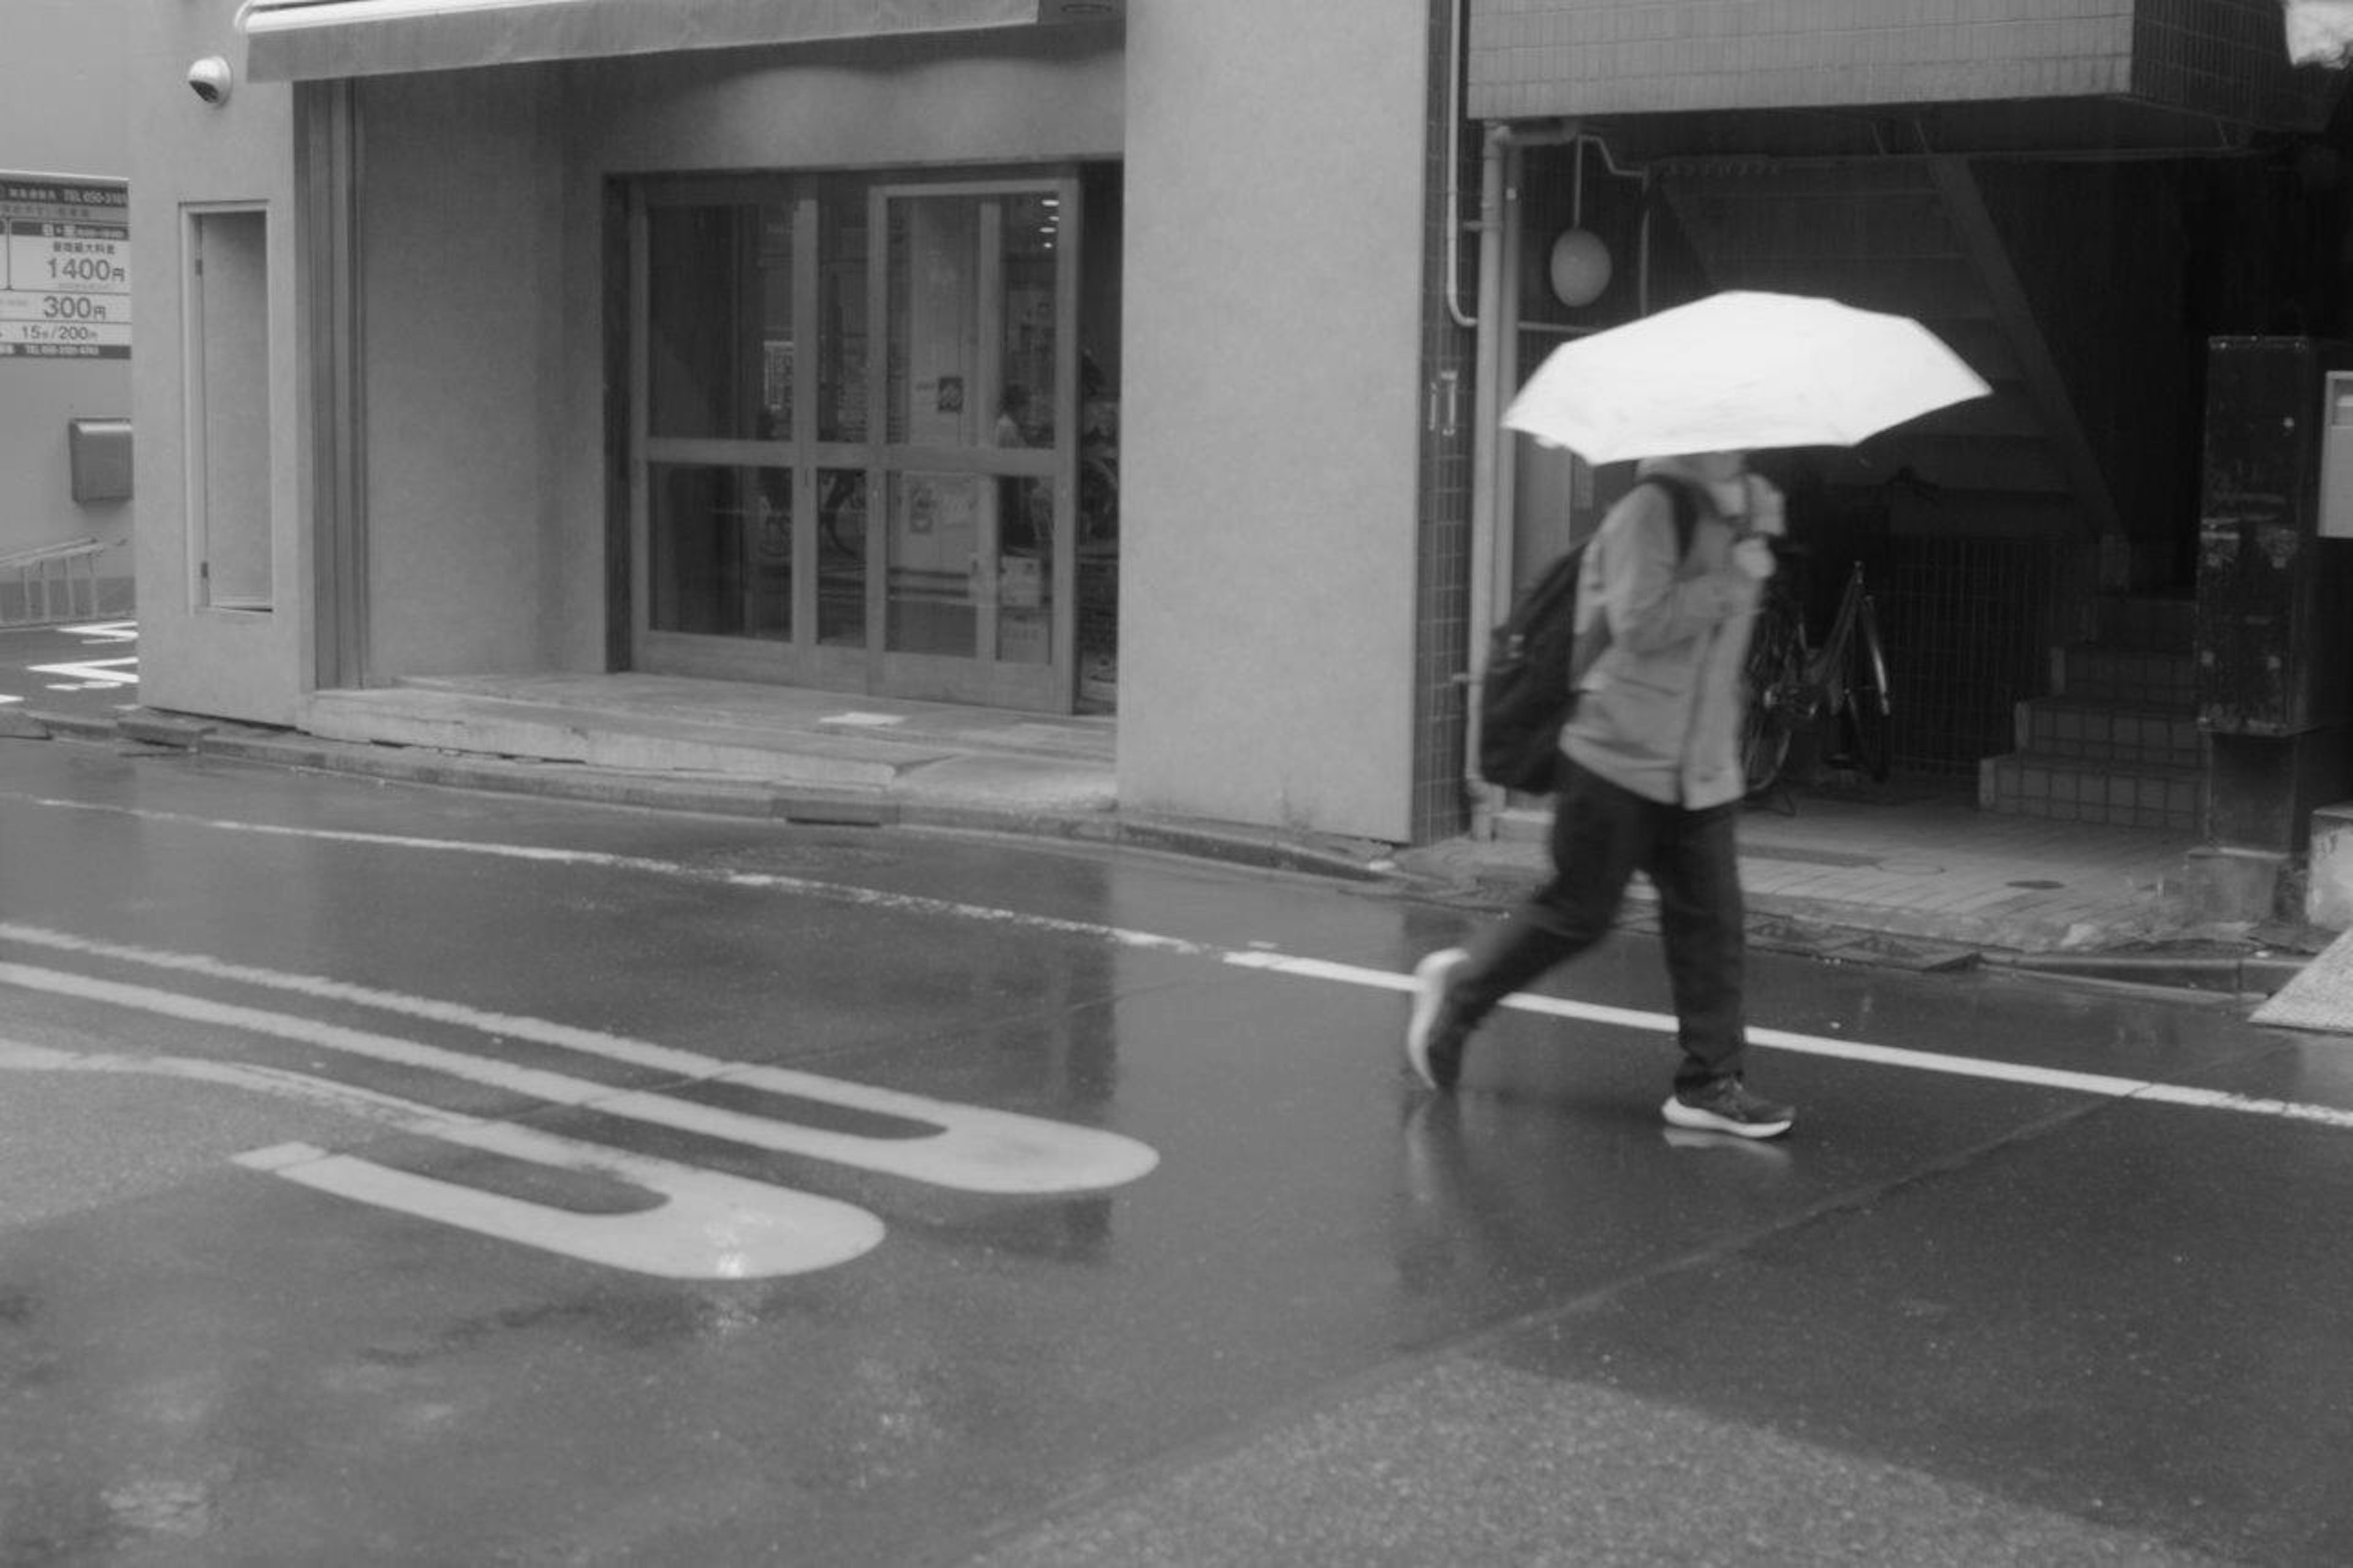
point(65, 280)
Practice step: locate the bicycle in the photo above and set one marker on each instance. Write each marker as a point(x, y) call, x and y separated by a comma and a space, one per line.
point(1792, 685)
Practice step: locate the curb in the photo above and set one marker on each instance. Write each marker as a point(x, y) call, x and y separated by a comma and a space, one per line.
point(2236, 974)
point(808, 805)
point(1809, 930)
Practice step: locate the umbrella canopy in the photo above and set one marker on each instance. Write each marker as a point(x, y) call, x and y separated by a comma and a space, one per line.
point(1739, 371)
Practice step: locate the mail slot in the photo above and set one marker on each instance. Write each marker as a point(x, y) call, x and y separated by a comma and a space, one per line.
point(100, 453)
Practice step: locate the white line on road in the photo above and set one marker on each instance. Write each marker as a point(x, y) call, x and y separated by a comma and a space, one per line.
point(967, 1148)
point(704, 1225)
point(90, 672)
point(2025, 1073)
point(834, 892)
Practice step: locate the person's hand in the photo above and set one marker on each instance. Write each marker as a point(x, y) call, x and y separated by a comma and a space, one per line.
point(1754, 557)
point(1766, 510)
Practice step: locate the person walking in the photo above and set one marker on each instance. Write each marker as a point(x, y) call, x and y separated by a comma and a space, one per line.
point(1650, 780)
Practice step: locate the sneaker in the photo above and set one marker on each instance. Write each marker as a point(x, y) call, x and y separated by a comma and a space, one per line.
point(1433, 1036)
point(1726, 1105)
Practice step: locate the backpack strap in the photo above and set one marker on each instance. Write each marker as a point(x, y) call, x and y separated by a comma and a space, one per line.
point(1684, 498)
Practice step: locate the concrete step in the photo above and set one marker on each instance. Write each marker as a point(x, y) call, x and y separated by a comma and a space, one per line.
point(492, 726)
point(2109, 733)
point(2077, 789)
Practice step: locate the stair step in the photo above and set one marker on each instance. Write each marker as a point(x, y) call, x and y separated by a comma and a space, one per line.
point(1829, 226)
point(1921, 287)
point(2146, 624)
point(2136, 677)
point(2072, 789)
point(1958, 458)
point(2009, 411)
point(1734, 177)
point(2111, 733)
point(1981, 341)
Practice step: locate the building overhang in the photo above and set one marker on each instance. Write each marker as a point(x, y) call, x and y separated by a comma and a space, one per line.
point(2195, 71)
point(294, 40)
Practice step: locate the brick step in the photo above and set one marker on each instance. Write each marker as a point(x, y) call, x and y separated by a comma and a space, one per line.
point(2098, 673)
point(2117, 732)
point(2076, 789)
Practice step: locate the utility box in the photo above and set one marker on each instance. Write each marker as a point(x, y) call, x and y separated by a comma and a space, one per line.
point(100, 452)
point(2337, 455)
point(2274, 640)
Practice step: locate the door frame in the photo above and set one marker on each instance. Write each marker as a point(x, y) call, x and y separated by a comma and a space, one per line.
point(1051, 685)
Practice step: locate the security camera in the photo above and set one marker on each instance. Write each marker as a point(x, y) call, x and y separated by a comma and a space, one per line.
point(210, 79)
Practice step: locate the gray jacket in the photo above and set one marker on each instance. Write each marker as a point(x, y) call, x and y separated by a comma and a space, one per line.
point(1661, 707)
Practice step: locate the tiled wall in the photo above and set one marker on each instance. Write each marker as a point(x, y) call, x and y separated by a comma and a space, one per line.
point(2224, 58)
point(1533, 57)
point(1964, 623)
point(1443, 649)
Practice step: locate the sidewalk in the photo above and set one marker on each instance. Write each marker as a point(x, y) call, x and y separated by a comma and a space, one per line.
point(1910, 875)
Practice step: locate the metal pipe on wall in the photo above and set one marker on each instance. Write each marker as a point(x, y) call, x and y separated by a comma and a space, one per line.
point(1498, 230)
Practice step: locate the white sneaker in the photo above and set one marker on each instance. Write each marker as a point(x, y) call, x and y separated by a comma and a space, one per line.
point(1727, 1106)
point(1435, 1053)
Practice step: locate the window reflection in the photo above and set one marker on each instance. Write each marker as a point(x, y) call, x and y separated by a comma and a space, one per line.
point(720, 321)
point(933, 555)
point(841, 556)
point(722, 539)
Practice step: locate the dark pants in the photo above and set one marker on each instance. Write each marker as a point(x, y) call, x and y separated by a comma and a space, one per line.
point(1601, 835)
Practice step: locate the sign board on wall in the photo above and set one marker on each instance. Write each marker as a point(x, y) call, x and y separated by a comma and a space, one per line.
point(64, 278)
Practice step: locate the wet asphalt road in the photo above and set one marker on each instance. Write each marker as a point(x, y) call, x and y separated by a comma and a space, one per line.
point(1224, 1289)
point(87, 668)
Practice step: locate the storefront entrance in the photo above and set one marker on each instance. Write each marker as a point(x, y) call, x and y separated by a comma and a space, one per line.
point(856, 433)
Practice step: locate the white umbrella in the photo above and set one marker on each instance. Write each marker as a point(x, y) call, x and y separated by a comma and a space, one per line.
point(1739, 371)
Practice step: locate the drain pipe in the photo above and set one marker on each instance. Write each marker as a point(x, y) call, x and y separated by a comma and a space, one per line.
point(1498, 187)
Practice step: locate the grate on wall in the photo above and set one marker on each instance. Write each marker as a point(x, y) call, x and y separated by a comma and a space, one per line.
point(1963, 621)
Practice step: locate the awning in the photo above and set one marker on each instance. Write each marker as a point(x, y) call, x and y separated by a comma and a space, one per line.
point(289, 40)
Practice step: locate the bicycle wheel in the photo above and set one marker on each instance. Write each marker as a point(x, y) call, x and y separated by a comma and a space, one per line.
point(1774, 679)
point(1868, 711)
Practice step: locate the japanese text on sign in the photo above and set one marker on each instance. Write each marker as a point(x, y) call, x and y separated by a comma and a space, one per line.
point(65, 272)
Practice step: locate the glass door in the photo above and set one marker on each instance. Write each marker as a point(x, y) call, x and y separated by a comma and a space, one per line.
point(781, 529)
point(973, 571)
point(719, 474)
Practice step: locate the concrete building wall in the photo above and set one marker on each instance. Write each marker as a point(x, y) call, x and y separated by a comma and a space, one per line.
point(481, 200)
point(188, 156)
point(69, 116)
point(1272, 288)
point(463, 264)
point(1049, 95)
point(1272, 417)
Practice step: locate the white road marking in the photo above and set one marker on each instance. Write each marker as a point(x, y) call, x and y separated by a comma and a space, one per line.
point(964, 1147)
point(1270, 962)
point(105, 631)
point(86, 674)
point(833, 892)
point(705, 1226)
point(2026, 1073)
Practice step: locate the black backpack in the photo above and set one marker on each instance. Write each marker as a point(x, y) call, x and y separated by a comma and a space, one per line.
point(1535, 659)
